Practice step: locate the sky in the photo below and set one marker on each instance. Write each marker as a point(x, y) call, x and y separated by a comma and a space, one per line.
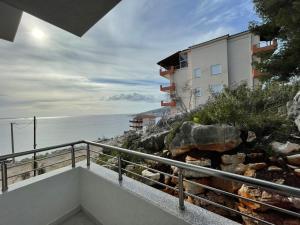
point(112, 69)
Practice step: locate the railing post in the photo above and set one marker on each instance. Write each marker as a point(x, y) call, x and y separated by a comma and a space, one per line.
point(73, 156)
point(120, 167)
point(180, 191)
point(34, 164)
point(88, 155)
point(4, 176)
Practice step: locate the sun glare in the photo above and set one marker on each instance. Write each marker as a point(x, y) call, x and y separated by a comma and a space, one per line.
point(38, 34)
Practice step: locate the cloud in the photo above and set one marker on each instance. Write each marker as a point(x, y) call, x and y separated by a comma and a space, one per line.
point(67, 75)
point(132, 97)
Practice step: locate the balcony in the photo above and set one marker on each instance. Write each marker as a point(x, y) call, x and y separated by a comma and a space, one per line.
point(267, 48)
point(89, 194)
point(136, 121)
point(136, 126)
point(256, 73)
point(170, 104)
point(168, 88)
point(167, 73)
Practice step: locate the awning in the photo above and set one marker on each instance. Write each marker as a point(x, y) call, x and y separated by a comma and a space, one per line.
point(74, 16)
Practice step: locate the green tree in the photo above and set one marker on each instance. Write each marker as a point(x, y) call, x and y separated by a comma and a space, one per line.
point(280, 19)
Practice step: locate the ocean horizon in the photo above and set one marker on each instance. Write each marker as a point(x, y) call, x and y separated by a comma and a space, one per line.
point(60, 129)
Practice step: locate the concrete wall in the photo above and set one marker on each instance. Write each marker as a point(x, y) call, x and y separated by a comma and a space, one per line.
point(40, 200)
point(50, 198)
point(111, 204)
point(182, 80)
point(204, 57)
point(240, 59)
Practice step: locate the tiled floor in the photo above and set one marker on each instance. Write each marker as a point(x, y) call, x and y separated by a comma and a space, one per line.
point(78, 219)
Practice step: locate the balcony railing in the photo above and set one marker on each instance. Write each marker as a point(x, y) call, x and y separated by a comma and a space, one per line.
point(256, 73)
point(171, 103)
point(166, 73)
point(136, 126)
point(168, 88)
point(182, 167)
point(269, 47)
point(136, 121)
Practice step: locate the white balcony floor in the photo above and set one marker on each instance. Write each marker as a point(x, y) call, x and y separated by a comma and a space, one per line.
point(78, 219)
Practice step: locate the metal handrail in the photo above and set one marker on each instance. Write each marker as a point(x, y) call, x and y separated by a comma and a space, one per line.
point(182, 166)
point(283, 189)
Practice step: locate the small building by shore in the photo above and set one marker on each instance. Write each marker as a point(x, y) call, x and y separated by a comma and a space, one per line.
point(142, 121)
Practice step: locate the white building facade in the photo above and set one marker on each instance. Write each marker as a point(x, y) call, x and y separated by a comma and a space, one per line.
point(201, 70)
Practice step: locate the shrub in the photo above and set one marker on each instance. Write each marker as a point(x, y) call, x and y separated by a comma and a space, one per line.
point(251, 109)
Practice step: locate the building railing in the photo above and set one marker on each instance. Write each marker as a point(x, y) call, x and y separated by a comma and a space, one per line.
point(169, 88)
point(171, 103)
point(168, 72)
point(182, 167)
point(271, 46)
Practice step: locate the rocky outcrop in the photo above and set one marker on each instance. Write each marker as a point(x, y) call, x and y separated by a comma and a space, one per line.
point(233, 159)
point(264, 212)
point(152, 176)
point(193, 187)
point(154, 142)
point(294, 159)
point(198, 162)
point(293, 109)
point(251, 137)
point(219, 138)
point(284, 149)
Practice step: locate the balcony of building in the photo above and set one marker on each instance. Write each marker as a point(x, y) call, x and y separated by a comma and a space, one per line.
point(167, 73)
point(169, 88)
point(87, 193)
point(136, 121)
point(257, 73)
point(172, 103)
point(266, 46)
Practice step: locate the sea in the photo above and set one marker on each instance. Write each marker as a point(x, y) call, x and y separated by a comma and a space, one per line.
point(59, 130)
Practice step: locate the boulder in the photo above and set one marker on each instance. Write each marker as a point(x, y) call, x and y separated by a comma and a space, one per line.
point(284, 149)
point(274, 169)
point(154, 142)
point(250, 172)
point(297, 122)
point(198, 162)
point(193, 188)
point(293, 107)
point(251, 137)
point(150, 175)
point(113, 161)
point(257, 166)
point(219, 138)
point(297, 172)
point(294, 159)
point(217, 198)
point(235, 168)
point(226, 185)
point(233, 159)
point(130, 168)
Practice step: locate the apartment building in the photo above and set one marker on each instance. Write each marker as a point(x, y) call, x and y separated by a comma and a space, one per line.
point(204, 69)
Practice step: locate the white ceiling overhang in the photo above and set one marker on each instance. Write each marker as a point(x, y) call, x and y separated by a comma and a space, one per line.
point(74, 16)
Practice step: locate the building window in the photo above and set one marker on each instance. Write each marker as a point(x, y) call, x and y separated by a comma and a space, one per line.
point(216, 69)
point(183, 59)
point(216, 88)
point(198, 92)
point(197, 73)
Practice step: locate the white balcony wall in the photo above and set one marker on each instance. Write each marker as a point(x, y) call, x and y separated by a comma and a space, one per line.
point(40, 200)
